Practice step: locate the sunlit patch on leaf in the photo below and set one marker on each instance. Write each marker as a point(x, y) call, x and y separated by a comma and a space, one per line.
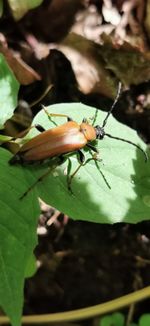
point(20, 7)
point(9, 87)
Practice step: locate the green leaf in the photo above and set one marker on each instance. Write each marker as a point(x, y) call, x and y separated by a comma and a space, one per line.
point(1, 8)
point(4, 138)
point(9, 87)
point(144, 320)
point(31, 267)
point(20, 7)
point(18, 222)
point(106, 321)
point(122, 164)
point(92, 200)
point(116, 319)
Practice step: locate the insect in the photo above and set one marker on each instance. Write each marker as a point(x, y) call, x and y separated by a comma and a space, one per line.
point(66, 139)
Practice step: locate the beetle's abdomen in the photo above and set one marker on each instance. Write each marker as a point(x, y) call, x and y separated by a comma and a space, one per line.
point(61, 145)
point(60, 140)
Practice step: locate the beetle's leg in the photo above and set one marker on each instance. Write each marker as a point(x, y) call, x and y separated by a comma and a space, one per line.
point(81, 159)
point(81, 156)
point(57, 115)
point(70, 177)
point(93, 148)
point(84, 120)
point(50, 115)
point(24, 132)
point(96, 159)
point(49, 170)
point(102, 174)
point(35, 183)
point(69, 119)
point(16, 158)
point(83, 163)
point(39, 128)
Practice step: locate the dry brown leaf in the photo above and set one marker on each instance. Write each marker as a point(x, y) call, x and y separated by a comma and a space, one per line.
point(88, 65)
point(147, 18)
point(127, 62)
point(52, 20)
point(23, 72)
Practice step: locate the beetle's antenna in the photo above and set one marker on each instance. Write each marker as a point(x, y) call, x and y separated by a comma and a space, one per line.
point(129, 142)
point(118, 138)
point(113, 105)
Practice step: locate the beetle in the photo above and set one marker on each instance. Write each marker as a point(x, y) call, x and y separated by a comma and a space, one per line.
point(65, 139)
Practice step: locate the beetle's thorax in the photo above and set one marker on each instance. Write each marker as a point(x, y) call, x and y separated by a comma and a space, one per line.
point(88, 131)
point(100, 133)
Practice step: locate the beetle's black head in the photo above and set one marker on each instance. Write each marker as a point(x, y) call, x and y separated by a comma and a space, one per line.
point(100, 133)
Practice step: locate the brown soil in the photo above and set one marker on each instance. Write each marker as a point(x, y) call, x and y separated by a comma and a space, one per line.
point(84, 264)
